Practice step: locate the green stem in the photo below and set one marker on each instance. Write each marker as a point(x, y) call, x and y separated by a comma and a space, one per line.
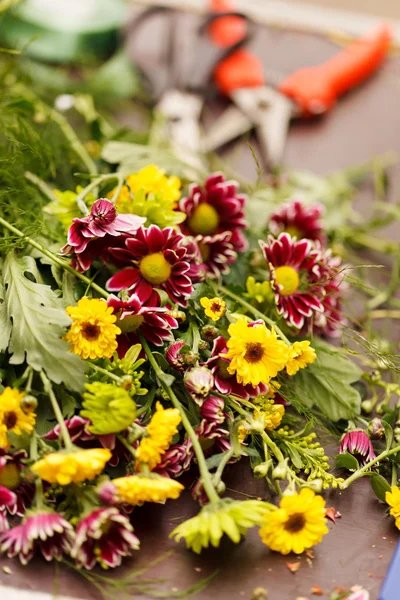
point(57, 411)
point(218, 473)
point(38, 482)
point(58, 261)
point(126, 444)
point(105, 372)
point(204, 472)
point(92, 185)
point(143, 409)
point(42, 185)
point(373, 243)
point(272, 446)
point(254, 311)
point(73, 139)
point(118, 188)
point(361, 472)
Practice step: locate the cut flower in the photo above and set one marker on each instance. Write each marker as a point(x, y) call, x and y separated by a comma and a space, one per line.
point(227, 517)
point(12, 418)
point(64, 468)
point(256, 353)
point(109, 408)
point(160, 431)
point(214, 308)
point(137, 489)
point(93, 333)
point(297, 525)
point(301, 354)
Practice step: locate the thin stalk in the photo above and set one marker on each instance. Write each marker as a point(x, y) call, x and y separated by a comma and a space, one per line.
point(254, 311)
point(126, 445)
point(93, 185)
point(105, 372)
point(204, 472)
point(118, 188)
point(218, 473)
point(272, 446)
point(38, 482)
point(361, 472)
point(41, 185)
point(58, 261)
point(57, 411)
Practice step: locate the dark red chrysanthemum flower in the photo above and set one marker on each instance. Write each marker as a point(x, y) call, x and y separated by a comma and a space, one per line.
point(89, 237)
point(217, 253)
point(298, 220)
point(44, 532)
point(104, 536)
point(198, 270)
point(213, 410)
point(215, 208)
point(153, 321)
point(224, 382)
point(155, 259)
point(358, 444)
point(305, 281)
point(176, 460)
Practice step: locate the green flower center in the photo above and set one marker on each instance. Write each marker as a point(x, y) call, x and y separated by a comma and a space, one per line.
point(295, 523)
point(155, 268)
point(10, 476)
point(254, 352)
point(288, 278)
point(204, 220)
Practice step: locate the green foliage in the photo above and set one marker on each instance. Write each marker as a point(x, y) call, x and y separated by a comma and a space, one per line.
point(33, 322)
point(379, 486)
point(327, 383)
point(345, 460)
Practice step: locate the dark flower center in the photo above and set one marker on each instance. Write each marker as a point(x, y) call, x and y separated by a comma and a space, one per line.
point(90, 331)
point(215, 307)
point(10, 419)
point(295, 523)
point(254, 352)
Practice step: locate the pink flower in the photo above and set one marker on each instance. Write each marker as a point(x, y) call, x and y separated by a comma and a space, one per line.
point(298, 220)
point(153, 321)
point(176, 460)
point(217, 252)
point(198, 270)
point(224, 382)
point(4, 526)
point(77, 429)
point(358, 444)
point(103, 224)
point(213, 410)
point(103, 536)
point(155, 259)
point(215, 208)
point(177, 358)
point(7, 498)
point(44, 532)
point(304, 279)
point(199, 381)
point(213, 438)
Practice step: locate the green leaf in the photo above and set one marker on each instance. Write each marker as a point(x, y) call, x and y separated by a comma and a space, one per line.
point(327, 383)
point(5, 323)
point(388, 434)
point(346, 461)
point(38, 325)
point(379, 486)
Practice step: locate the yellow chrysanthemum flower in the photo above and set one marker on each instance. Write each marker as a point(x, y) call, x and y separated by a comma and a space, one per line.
point(297, 525)
point(301, 354)
point(256, 353)
point(214, 308)
point(136, 489)
point(92, 333)
point(151, 179)
point(393, 500)
point(271, 416)
point(160, 431)
point(12, 417)
point(66, 467)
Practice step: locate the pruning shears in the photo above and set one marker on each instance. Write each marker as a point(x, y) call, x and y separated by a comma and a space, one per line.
point(308, 92)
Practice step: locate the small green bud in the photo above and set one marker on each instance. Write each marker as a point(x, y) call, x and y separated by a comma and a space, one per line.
point(315, 484)
point(29, 404)
point(262, 469)
point(280, 471)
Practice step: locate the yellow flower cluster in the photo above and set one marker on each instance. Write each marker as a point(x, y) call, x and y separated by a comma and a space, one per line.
point(160, 431)
point(257, 354)
point(12, 417)
point(298, 524)
point(271, 415)
point(214, 308)
point(393, 500)
point(137, 489)
point(92, 333)
point(66, 467)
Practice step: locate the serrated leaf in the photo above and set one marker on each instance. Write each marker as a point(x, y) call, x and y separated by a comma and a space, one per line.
point(379, 486)
point(327, 383)
point(38, 322)
point(346, 461)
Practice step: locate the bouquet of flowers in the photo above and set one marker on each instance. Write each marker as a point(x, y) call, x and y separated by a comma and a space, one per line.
point(156, 322)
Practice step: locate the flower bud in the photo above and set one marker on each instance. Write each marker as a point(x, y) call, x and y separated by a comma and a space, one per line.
point(367, 405)
point(221, 487)
point(29, 404)
point(280, 471)
point(203, 345)
point(375, 429)
point(262, 469)
point(199, 382)
point(179, 315)
point(209, 332)
point(315, 484)
point(107, 493)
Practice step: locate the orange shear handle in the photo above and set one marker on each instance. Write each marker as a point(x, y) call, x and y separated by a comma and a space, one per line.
point(226, 31)
point(316, 89)
point(240, 70)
